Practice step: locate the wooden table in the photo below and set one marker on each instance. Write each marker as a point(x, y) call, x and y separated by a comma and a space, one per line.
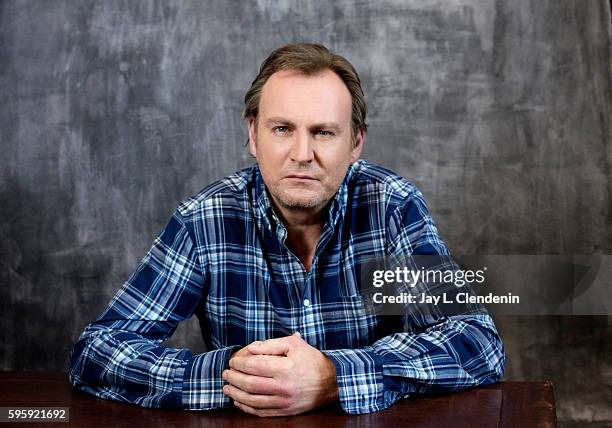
point(505, 404)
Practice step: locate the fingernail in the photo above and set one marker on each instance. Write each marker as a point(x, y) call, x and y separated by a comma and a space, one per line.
point(224, 375)
point(256, 344)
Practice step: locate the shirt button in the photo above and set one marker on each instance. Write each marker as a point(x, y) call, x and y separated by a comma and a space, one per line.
point(306, 302)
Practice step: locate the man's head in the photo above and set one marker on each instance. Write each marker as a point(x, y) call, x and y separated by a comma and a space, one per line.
point(306, 115)
point(309, 59)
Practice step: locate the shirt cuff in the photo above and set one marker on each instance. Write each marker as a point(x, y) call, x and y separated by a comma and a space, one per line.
point(360, 380)
point(203, 381)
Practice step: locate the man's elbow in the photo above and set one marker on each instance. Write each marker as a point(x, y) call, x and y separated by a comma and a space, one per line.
point(494, 361)
point(486, 342)
point(82, 369)
point(75, 363)
point(499, 359)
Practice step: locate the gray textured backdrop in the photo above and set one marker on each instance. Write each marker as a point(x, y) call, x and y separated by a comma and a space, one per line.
point(112, 112)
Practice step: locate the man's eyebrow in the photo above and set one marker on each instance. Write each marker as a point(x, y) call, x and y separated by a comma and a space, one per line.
point(327, 125)
point(279, 121)
point(276, 121)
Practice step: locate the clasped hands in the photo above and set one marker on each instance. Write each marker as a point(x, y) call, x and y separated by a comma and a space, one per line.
point(280, 377)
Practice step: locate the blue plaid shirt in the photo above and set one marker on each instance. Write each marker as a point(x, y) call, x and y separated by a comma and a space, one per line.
point(223, 257)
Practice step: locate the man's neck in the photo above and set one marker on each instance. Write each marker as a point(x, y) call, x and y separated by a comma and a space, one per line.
point(304, 227)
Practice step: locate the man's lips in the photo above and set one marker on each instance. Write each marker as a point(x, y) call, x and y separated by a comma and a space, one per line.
point(300, 177)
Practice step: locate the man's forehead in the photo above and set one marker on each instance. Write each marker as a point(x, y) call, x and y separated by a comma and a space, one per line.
point(322, 96)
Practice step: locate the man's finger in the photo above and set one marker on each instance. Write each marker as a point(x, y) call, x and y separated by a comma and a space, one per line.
point(253, 384)
point(252, 411)
point(256, 401)
point(259, 365)
point(280, 346)
point(262, 412)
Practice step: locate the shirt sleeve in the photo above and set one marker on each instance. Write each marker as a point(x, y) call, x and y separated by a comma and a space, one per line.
point(432, 353)
point(119, 355)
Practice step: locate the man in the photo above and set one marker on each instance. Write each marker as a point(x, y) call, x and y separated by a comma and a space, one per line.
point(268, 259)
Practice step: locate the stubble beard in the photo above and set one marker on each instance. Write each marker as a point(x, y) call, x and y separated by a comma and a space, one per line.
point(287, 201)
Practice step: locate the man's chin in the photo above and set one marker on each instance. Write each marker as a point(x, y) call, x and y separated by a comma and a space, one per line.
point(302, 202)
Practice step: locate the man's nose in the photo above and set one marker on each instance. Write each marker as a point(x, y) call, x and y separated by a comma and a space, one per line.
point(302, 148)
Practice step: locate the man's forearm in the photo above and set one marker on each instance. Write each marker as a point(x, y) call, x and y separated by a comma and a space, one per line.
point(460, 352)
point(148, 375)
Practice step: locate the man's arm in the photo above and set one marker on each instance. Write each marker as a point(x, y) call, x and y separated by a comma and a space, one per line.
point(459, 352)
point(119, 356)
point(436, 353)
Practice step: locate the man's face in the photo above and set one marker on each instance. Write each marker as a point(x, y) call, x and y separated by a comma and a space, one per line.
point(302, 141)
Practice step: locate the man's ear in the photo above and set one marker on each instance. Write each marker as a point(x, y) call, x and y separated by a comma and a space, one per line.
point(252, 143)
point(359, 142)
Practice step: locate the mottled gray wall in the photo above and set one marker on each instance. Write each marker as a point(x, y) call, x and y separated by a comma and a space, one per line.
point(112, 112)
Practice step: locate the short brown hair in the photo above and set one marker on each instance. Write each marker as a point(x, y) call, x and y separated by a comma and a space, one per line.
point(309, 59)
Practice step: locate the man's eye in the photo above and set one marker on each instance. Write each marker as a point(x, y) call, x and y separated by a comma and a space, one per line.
point(324, 133)
point(281, 129)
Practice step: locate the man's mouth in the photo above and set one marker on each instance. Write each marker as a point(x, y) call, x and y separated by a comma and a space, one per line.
point(300, 177)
